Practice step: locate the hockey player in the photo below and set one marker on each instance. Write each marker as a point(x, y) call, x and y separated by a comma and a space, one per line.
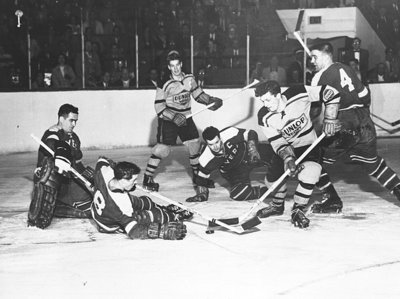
point(116, 210)
point(357, 137)
point(55, 192)
point(234, 153)
point(285, 120)
point(172, 105)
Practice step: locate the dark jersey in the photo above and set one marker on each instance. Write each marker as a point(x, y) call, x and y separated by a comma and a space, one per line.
point(352, 92)
point(111, 210)
point(56, 133)
point(233, 154)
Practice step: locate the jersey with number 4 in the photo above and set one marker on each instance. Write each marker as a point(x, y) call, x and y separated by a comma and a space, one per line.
point(111, 210)
point(353, 93)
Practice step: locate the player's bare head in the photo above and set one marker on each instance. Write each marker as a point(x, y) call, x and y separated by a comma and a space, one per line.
point(322, 55)
point(67, 117)
point(66, 109)
point(173, 55)
point(175, 64)
point(125, 170)
point(210, 133)
point(212, 137)
point(271, 86)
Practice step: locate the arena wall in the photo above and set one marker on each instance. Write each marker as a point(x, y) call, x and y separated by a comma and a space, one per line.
point(119, 118)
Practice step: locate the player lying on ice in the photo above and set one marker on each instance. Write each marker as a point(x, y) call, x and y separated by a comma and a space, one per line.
point(234, 152)
point(115, 209)
point(285, 120)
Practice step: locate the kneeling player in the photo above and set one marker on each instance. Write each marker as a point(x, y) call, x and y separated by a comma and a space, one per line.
point(285, 120)
point(115, 209)
point(234, 152)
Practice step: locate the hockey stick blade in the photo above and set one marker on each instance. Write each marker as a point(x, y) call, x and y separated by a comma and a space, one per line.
point(252, 222)
point(393, 124)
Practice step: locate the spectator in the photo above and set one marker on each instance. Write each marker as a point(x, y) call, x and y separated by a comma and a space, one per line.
point(6, 63)
point(379, 74)
point(392, 65)
point(356, 52)
point(62, 76)
point(105, 82)
point(153, 79)
point(275, 72)
point(38, 83)
point(257, 72)
point(383, 21)
point(46, 59)
point(127, 79)
point(394, 32)
point(296, 68)
point(214, 37)
point(92, 66)
point(353, 63)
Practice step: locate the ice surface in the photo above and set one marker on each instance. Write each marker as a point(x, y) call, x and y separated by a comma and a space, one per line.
point(352, 255)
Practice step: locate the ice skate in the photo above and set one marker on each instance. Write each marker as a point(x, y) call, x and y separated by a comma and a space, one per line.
point(299, 219)
point(273, 209)
point(330, 203)
point(149, 184)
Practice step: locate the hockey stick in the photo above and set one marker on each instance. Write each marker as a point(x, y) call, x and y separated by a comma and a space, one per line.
point(297, 35)
point(222, 222)
point(393, 124)
point(228, 97)
point(75, 172)
point(280, 180)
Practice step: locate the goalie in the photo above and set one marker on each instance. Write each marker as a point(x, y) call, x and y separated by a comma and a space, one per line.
point(115, 209)
point(56, 192)
point(234, 152)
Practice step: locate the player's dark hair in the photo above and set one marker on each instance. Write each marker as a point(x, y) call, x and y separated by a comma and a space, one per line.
point(67, 109)
point(125, 170)
point(323, 47)
point(271, 86)
point(210, 133)
point(173, 55)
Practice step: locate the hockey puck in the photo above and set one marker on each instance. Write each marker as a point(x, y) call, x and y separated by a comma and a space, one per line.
point(209, 231)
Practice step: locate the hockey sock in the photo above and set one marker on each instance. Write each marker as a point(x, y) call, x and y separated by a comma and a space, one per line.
point(303, 193)
point(384, 174)
point(152, 165)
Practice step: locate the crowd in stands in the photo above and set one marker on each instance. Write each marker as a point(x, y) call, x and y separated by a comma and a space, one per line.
point(110, 29)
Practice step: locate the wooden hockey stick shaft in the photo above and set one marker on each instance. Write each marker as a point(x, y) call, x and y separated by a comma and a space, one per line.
point(228, 97)
point(280, 180)
point(393, 124)
point(298, 37)
point(237, 230)
point(75, 172)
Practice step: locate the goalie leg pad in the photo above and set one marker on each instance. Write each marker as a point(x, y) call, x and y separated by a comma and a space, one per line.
point(44, 196)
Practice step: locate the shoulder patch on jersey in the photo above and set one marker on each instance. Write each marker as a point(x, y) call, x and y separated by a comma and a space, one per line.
point(327, 94)
point(54, 128)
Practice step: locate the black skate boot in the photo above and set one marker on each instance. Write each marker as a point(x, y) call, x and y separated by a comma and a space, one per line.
point(149, 184)
point(182, 215)
point(273, 209)
point(396, 191)
point(299, 219)
point(330, 203)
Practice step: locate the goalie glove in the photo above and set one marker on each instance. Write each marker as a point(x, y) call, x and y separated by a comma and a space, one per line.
point(217, 103)
point(179, 119)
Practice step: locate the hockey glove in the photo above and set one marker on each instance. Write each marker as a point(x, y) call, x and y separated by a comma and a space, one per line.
point(217, 103)
point(331, 126)
point(173, 231)
point(179, 119)
point(63, 157)
point(291, 165)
